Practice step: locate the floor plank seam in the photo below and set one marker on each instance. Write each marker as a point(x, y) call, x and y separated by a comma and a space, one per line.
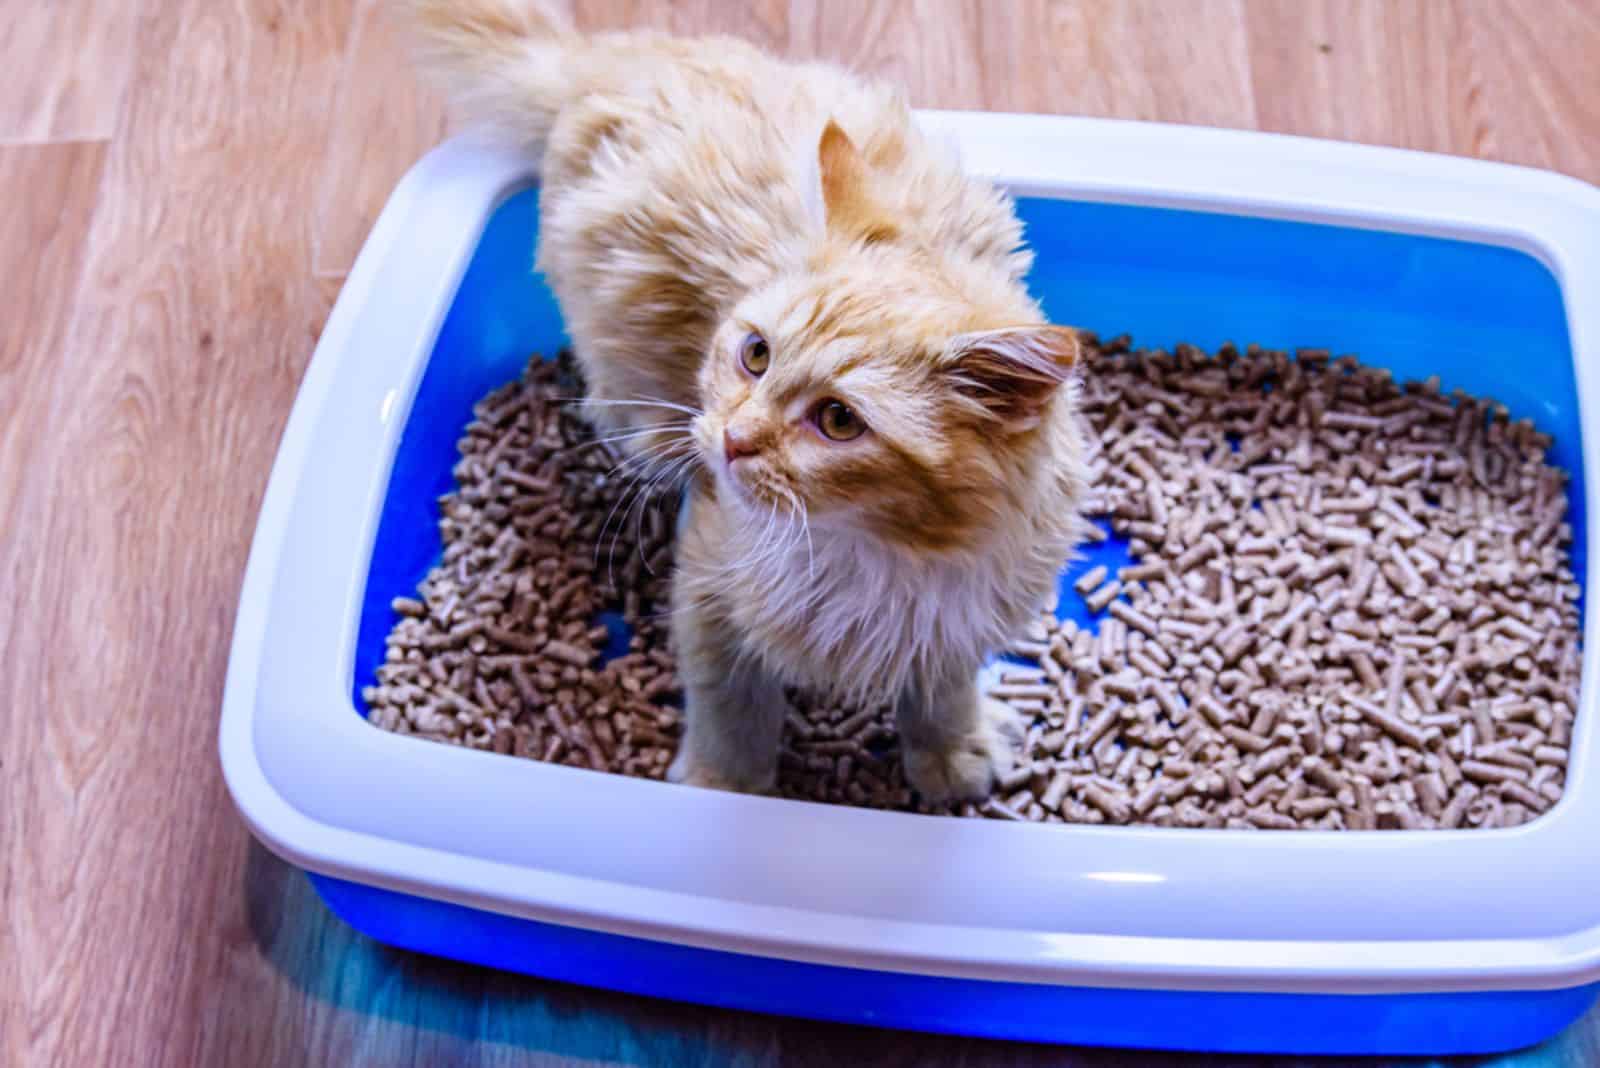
point(46, 142)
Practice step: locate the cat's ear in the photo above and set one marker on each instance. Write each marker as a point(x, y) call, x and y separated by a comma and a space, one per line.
point(1013, 373)
point(842, 195)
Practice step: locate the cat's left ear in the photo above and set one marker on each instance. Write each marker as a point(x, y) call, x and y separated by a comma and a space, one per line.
point(842, 199)
point(1013, 373)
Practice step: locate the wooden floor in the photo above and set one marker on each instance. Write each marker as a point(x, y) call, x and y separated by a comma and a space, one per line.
point(185, 183)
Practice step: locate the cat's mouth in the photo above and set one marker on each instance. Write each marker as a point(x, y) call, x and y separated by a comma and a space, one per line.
point(740, 475)
point(749, 480)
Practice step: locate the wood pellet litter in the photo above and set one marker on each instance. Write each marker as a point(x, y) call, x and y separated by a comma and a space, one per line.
point(499, 649)
point(1351, 607)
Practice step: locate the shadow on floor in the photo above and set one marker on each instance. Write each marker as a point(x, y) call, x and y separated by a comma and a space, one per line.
point(480, 1010)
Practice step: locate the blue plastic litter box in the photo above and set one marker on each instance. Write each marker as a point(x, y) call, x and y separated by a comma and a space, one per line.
point(1431, 942)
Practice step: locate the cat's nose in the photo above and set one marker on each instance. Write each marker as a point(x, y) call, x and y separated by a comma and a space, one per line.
point(737, 443)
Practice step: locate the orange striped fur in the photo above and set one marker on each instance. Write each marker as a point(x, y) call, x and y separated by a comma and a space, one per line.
point(747, 253)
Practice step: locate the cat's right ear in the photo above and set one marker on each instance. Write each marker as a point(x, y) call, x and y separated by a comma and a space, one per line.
point(841, 195)
point(1014, 373)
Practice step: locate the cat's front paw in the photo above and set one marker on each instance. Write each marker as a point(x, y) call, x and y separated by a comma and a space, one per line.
point(966, 770)
point(690, 770)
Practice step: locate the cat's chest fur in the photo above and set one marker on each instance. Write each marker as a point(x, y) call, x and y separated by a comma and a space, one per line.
point(845, 614)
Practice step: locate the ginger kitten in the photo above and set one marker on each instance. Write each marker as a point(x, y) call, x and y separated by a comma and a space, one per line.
point(777, 288)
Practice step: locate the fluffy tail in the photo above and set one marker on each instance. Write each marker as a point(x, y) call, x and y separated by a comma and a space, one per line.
point(506, 63)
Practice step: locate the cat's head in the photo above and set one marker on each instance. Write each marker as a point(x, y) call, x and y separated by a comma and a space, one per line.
point(882, 385)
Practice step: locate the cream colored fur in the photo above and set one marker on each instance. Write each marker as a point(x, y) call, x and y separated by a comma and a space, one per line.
point(696, 191)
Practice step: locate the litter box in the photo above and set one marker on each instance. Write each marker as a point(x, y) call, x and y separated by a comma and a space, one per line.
point(1428, 942)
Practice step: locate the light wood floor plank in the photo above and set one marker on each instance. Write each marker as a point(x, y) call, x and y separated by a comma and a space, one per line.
point(1383, 73)
point(1541, 83)
point(930, 47)
point(1085, 57)
point(52, 191)
point(764, 22)
point(163, 410)
point(67, 64)
point(385, 120)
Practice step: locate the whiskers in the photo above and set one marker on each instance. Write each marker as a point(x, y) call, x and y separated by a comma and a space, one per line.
point(658, 457)
point(639, 401)
point(805, 529)
point(787, 523)
point(655, 469)
point(767, 537)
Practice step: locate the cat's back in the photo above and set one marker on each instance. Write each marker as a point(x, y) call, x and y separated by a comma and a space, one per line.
point(709, 146)
point(645, 97)
point(696, 132)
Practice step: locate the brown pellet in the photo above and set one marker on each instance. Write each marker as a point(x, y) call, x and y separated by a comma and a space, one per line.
point(1022, 692)
point(1267, 819)
point(1139, 572)
point(1390, 723)
point(1090, 580)
point(513, 639)
point(1247, 742)
point(1310, 808)
point(1552, 755)
point(1456, 809)
point(1213, 711)
point(1056, 792)
point(1103, 596)
point(1516, 791)
point(1135, 619)
point(1345, 536)
point(1319, 773)
point(1115, 809)
point(1483, 772)
point(568, 653)
point(1000, 810)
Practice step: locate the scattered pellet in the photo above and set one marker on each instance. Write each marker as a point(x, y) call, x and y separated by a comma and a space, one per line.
point(1483, 772)
point(1390, 723)
point(1455, 811)
point(1522, 795)
point(1135, 619)
point(998, 809)
point(1273, 821)
point(1115, 809)
point(1244, 740)
point(1091, 579)
point(1056, 791)
point(1550, 755)
point(1103, 596)
point(1344, 536)
point(568, 653)
point(1141, 572)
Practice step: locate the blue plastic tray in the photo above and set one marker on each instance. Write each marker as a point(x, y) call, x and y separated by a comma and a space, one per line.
point(1487, 319)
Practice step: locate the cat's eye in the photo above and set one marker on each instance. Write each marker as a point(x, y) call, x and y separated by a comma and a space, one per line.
point(838, 422)
point(754, 355)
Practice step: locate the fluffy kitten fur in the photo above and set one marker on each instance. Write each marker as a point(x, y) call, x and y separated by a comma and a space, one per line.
point(736, 242)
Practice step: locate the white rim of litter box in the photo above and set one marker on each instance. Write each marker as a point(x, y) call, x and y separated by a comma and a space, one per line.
point(1120, 907)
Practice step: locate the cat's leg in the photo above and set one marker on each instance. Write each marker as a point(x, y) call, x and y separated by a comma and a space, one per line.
point(733, 709)
point(955, 742)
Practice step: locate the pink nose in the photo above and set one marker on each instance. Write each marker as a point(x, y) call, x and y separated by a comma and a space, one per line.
point(736, 444)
